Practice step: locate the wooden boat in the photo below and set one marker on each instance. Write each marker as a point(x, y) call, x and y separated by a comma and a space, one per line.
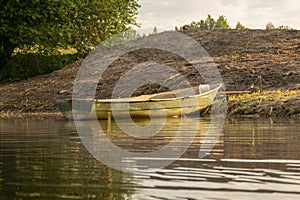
point(166, 104)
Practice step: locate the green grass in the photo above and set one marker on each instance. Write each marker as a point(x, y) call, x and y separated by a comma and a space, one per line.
point(271, 95)
point(246, 103)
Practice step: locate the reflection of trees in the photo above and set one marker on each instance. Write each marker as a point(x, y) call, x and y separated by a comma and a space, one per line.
point(46, 160)
point(8, 172)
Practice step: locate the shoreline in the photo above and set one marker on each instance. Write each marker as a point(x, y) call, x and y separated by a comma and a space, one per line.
point(270, 103)
point(253, 105)
point(21, 115)
point(241, 56)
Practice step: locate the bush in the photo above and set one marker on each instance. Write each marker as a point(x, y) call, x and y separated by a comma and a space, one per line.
point(22, 66)
point(239, 26)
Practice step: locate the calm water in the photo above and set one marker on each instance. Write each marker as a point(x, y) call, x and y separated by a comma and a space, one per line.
point(252, 159)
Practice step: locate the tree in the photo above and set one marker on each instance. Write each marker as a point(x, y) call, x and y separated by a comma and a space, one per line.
point(155, 30)
point(211, 23)
point(222, 23)
point(203, 25)
point(270, 26)
point(51, 24)
point(285, 27)
point(239, 26)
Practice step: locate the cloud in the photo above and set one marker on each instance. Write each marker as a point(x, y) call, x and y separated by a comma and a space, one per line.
point(252, 13)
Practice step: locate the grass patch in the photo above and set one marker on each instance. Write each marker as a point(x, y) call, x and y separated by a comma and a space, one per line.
point(271, 95)
point(247, 103)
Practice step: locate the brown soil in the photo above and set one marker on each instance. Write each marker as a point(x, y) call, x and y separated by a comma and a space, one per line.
point(241, 56)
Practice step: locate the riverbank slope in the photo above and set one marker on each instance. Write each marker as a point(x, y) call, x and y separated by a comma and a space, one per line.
point(240, 55)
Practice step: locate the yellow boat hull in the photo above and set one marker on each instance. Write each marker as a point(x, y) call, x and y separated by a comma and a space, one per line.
point(141, 107)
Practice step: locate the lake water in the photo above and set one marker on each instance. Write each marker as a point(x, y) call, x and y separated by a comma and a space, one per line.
point(249, 159)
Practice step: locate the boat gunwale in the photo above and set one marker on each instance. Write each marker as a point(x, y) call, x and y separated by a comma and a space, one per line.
point(150, 97)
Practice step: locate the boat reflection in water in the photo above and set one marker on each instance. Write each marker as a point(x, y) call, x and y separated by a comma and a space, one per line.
point(127, 144)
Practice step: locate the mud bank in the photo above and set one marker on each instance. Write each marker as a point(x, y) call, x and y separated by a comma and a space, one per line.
point(240, 55)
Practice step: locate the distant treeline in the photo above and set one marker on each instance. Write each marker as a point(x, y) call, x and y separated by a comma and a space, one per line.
point(222, 23)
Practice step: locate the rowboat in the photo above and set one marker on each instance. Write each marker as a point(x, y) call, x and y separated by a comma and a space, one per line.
point(166, 104)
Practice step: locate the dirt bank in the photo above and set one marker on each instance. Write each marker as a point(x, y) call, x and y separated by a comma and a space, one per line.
point(241, 56)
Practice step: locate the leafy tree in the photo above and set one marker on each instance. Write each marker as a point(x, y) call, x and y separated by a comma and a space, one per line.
point(239, 26)
point(270, 26)
point(52, 24)
point(222, 22)
point(155, 30)
point(202, 24)
point(211, 23)
point(121, 38)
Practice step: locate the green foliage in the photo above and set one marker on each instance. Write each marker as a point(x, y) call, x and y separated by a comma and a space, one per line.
point(54, 24)
point(22, 66)
point(246, 103)
point(124, 37)
point(270, 26)
point(120, 38)
point(222, 23)
point(101, 19)
point(239, 26)
point(285, 27)
point(210, 23)
point(155, 30)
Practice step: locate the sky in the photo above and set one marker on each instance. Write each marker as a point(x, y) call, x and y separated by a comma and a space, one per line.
point(255, 14)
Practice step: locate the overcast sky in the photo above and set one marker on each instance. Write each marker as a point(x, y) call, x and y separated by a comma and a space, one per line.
point(166, 14)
